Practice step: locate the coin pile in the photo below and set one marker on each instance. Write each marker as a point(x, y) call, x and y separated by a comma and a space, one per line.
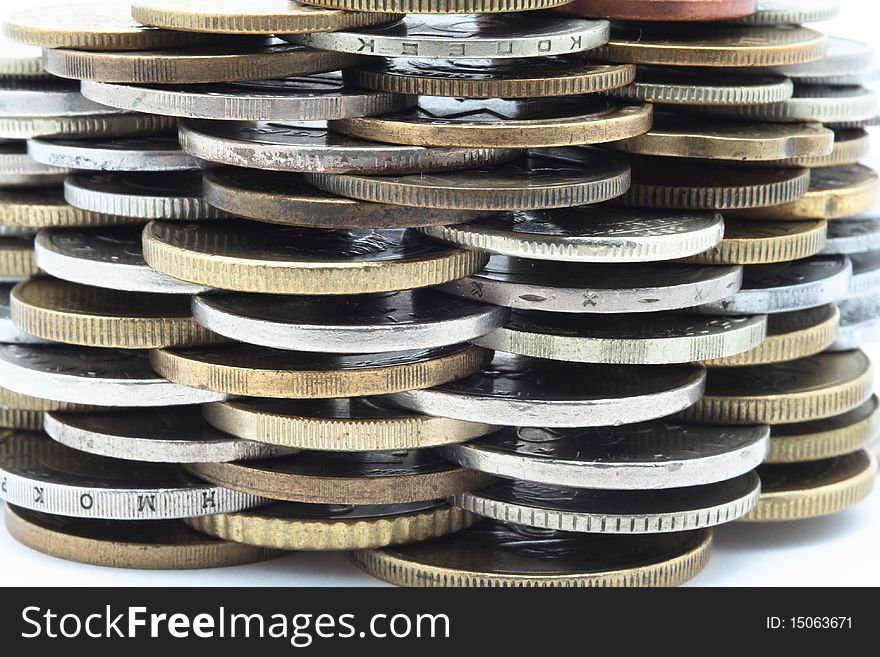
point(440, 282)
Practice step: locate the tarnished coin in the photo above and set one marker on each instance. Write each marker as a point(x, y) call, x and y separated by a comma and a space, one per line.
point(787, 286)
point(823, 439)
point(866, 273)
point(853, 235)
point(545, 178)
point(147, 545)
point(17, 259)
point(47, 98)
point(477, 36)
point(42, 475)
point(845, 62)
point(643, 339)
point(859, 323)
point(18, 170)
point(793, 12)
point(297, 526)
point(588, 234)
point(439, 6)
point(152, 153)
point(499, 554)
point(306, 147)
point(531, 392)
point(796, 491)
point(803, 390)
point(407, 319)
point(851, 145)
point(93, 376)
point(251, 257)
point(614, 512)
point(662, 454)
point(19, 61)
point(13, 418)
point(252, 371)
point(825, 104)
point(603, 288)
point(358, 424)
point(763, 242)
point(9, 334)
point(113, 123)
point(161, 435)
point(43, 207)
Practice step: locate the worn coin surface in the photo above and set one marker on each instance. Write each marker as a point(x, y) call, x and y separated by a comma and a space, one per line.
point(440, 6)
point(866, 273)
point(8, 332)
point(17, 259)
point(661, 10)
point(18, 170)
point(825, 104)
point(793, 12)
point(762, 242)
point(46, 98)
point(845, 62)
point(851, 145)
point(853, 235)
point(151, 153)
point(859, 323)
point(45, 207)
point(103, 124)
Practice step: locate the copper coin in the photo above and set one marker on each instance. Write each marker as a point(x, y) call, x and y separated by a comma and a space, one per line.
point(662, 10)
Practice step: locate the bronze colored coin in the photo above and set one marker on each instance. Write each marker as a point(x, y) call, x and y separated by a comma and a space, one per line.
point(763, 242)
point(45, 207)
point(851, 146)
point(61, 311)
point(149, 545)
point(17, 401)
point(103, 124)
point(712, 45)
point(790, 336)
point(438, 6)
point(17, 259)
point(13, 418)
point(796, 491)
point(661, 10)
point(262, 372)
point(397, 477)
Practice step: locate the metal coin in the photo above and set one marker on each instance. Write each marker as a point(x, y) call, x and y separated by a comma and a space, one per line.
point(105, 124)
point(89, 375)
point(764, 242)
point(19, 402)
point(18, 170)
point(47, 98)
point(499, 554)
point(853, 235)
point(13, 418)
point(825, 104)
point(793, 12)
point(859, 323)
point(152, 153)
point(851, 145)
point(41, 207)
point(845, 59)
point(16, 258)
point(866, 273)
point(20, 61)
point(8, 332)
point(661, 10)
point(439, 6)
point(523, 391)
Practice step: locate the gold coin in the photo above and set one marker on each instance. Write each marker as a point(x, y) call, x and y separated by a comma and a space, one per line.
point(790, 336)
point(851, 146)
point(149, 545)
point(439, 6)
point(251, 17)
point(105, 124)
point(45, 207)
point(801, 390)
point(61, 311)
point(13, 418)
point(762, 242)
point(262, 372)
point(291, 526)
point(823, 439)
point(712, 45)
point(252, 257)
point(346, 425)
point(17, 259)
point(796, 491)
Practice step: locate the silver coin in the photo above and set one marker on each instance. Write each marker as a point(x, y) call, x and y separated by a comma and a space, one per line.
point(523, 391)
point(859, 323)
point(150, 153)
point(113, 122)
point(110, 257)
point(17, 231)
point(615, 512)
point(39, 98)
point(8, 332)
point(39, 474)
point(311, 147)
point(865, 273)
point(825, 104)
point(146, 195)
point(603, 288)
point(20, 61)
point(177, 434)
point(393, 321)
point(843, 59)
point(793, 12)
point(92, 375)
point(474, 36)
point(787, 286)
point(18, 170)
point(309, 98)
point(589, 234)
point(651, 455)
point(853, 235)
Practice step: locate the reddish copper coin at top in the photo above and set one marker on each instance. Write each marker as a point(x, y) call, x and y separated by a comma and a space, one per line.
point(662, 10)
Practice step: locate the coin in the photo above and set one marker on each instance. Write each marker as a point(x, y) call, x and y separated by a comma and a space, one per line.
point(295, 526)
point(262, 372)
point(795, 491)
point(19, 402)
point(54, 97)
point(497, 554)
point(866, 273)
point(793, 12)
point(18, 170)
point(662, 454)
point(603, 288)
point(486, 36)
point(152, 153)
point(588, 234)
point(13, 418)
point(853, 235)
point(306, 147)
point(505, 123)
point(8, 332)
point(39, 474)
point(545, 178)
point(20, 61)
point(822, 439)
point(104, 124)
point(250, 257)
point(845, 62)
point(176, 434)
point(45, 206)
point(149, 544)
point(614, 512)
point(523, 391)
point(60, 311)
point(93, 376)
point(661, 10)
point(801, 390)
point(825, 104)
point(16, 258)
point(790, 336)
point(851, 145)
point(407, 319)
point(358, 424)
point(439, 6)
point(714, 45)
point(763, 242)
point(514, 78)
point(859, 322)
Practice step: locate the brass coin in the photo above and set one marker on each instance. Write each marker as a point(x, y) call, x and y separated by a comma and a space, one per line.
point(762, 242)
point(662, 10)
point(801, 390)
point(262, 372)
point(851, 146)
point(71, 313)
point(796, 491)
point(148, 545)
point(105, 124)
point(439, 6)
point(17, 259)
point(252, 257)
point(16, 401)
point(45, 207)
point(13, 418)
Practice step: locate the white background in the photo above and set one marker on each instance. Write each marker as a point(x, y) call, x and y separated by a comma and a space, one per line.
point(841, 550)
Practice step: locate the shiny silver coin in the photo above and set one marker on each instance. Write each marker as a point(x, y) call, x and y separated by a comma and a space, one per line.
point(586, 288)
point(17, 231)
point(844, 60)
point(523, 391)
point(865, 273)
point(853, 235)
point(110, 257)
point(18, 170)
point(20, 61)
point(793, 12)
point(859, 323)
point(393, 321)
point(9, 334)
point(40, 98)
point(825, 104)
point(150, 153)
